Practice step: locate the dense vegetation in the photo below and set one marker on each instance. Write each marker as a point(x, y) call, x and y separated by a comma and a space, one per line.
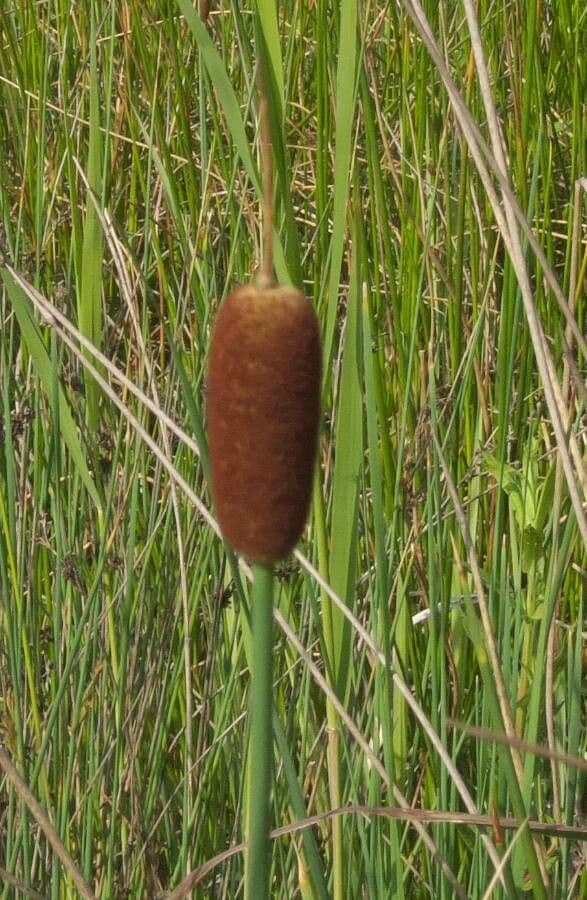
point(444, 517)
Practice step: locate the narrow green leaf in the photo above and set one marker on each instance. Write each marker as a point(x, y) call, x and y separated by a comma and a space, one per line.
point(267, 11)
point(89, 300)
point(345, 482)
point(346, 95)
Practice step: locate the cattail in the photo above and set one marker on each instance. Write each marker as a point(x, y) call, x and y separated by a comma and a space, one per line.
point(263, 410)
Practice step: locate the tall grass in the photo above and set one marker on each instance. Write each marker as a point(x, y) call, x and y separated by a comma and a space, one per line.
point(444, 556)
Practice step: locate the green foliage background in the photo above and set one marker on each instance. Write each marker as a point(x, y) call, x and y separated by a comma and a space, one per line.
point(129, 197)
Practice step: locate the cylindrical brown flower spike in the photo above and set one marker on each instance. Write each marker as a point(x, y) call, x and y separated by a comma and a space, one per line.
point(263, 404)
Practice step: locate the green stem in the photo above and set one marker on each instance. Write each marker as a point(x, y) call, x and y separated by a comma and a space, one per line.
point(260, 773)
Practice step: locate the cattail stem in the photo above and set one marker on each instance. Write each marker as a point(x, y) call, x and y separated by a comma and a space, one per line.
point(266, 271)
point(260, 773)
point(260, 769)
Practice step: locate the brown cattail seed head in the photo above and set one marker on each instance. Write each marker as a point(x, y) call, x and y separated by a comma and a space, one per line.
point(263, 405)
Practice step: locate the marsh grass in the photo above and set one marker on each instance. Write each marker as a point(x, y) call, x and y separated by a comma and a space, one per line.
point(444, 521)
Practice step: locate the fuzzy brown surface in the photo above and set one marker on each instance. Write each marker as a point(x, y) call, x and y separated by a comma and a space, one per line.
point(263, 404)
